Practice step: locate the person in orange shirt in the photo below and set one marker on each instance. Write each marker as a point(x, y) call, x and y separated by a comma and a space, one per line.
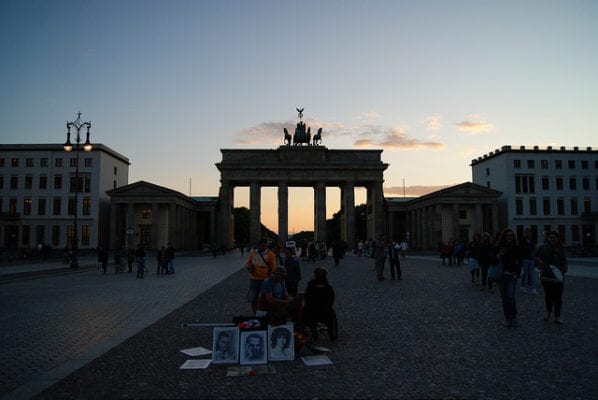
point(260, 264)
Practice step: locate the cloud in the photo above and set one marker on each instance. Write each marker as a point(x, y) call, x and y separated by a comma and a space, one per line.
point(432, 123)
point(392, 139)
point(369, 116)
point(475, 124)
point(413, 191)
point(266, 133)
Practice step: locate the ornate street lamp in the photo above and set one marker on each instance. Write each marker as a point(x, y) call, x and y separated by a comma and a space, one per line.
point(77, 124)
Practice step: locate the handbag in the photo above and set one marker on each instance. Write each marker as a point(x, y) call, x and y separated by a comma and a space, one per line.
point(495, 271)
point(551, 273)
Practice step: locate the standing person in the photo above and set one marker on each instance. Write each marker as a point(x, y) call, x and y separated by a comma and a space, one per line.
point(130, 259)
point(338, 252)
point(528, 263)
point(473, 249)
point(508, 255)
point(159, 259)
point(293, 268)
point(260, 263)
point(549, 255)
point(103, 259)
point(404, 247)
point(140, 257)
point(393, 260)
point(380, 256)
point(170, 256)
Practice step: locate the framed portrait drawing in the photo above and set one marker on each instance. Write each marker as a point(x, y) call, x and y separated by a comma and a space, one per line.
point(225, 348)
point(253, 348)
point(281, 343)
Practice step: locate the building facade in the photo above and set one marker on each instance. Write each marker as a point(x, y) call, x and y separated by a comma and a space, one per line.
point(37, 194)
point(544, 189)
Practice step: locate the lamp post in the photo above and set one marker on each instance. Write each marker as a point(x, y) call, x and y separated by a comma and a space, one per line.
point(77, 124)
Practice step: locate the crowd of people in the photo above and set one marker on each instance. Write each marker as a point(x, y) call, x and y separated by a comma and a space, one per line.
point(124, 260)
point(502, 260)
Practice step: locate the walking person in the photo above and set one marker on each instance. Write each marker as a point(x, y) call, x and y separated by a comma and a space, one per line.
point(160, 260)
point(485, 255)
point(338, 252)
point(140, 258)
point(394, 263)
point(380, 256)
point(260, 264)
point(528, 263)
point(170, 256)
point(404, 246)
point(473, 251)
point(293, 268)
point(552, 255)
point(508, 255)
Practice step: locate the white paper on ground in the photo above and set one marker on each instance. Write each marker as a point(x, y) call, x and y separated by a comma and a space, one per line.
point(196, 364)
point(313, 361)
point(197, 351)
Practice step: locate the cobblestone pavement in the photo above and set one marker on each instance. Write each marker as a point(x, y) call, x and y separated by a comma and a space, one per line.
point(53, 325)
point(432, 335)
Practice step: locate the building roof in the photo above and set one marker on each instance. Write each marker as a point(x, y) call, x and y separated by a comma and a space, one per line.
point(533, 149)
point(60, 147)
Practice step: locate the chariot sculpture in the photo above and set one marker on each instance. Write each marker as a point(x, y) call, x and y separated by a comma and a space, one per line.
point(302, 134)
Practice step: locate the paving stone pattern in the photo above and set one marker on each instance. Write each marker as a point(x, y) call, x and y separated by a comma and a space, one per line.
point(432, 335)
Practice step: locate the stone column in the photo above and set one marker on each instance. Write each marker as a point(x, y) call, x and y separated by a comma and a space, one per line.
point(348, 215)
point(455, 222)
point(130, 243)
point(425, 227)
point(114, 220)
point(478, 224)
point(283, 212)
point(438, 224)
point(320, 211)
point(418, 226)
point(225, 222)
point(378, 209)
point(255, 204)
point(153, 245)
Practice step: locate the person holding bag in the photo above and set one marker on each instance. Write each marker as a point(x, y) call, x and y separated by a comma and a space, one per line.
point(553, 264)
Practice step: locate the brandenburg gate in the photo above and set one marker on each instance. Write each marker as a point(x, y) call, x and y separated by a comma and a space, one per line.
point(295, 165)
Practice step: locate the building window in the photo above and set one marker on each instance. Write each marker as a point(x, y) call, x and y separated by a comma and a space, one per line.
point(544, 164)
point(1, 162)
point(585, 183)
point(524, 184)
point(545, 183)
point(28, 182)
point(87, 206)
point(58, 162)
point(587, 206)
point(596, 164)
point(546, 206)
point(27, 206)
point(573, 205)
point(12, 206)
point(29, 162)
point(43, 182)
point(517, 164)
point(487, 171)
point(43, 162)
point(519, 206)
point(114, 184)
point(585, 164)
point(88, 162)
point(560, 206)
point(58, 182)
point(40, 234)
point(87, 184)
point(559, 183)
point(562, 234)
point(26, 235)
point(84, 184)
point(1, 182)
point(530, 164)
point(14, 162)
point(463, 214)
point(115, 170)
point(575, 233)
point(70, 234)
point(73, 162)
point(41, 206)
point(72, 206)
point(55, 235)
point(56, 206)
point(571, 164)
point(596, 183)
point(572, 183)
point(14, 182)
point(146, 213)
point(85, 235)
point(533, 208)
point(558, 164)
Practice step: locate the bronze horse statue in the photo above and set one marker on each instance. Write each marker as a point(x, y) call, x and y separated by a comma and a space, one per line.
point(317, 138)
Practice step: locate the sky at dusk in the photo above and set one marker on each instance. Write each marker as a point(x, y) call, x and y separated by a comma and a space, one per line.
point(434, 84)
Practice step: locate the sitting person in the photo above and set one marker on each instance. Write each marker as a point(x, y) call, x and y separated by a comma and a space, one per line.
point(275, 300)
point(319, 305)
